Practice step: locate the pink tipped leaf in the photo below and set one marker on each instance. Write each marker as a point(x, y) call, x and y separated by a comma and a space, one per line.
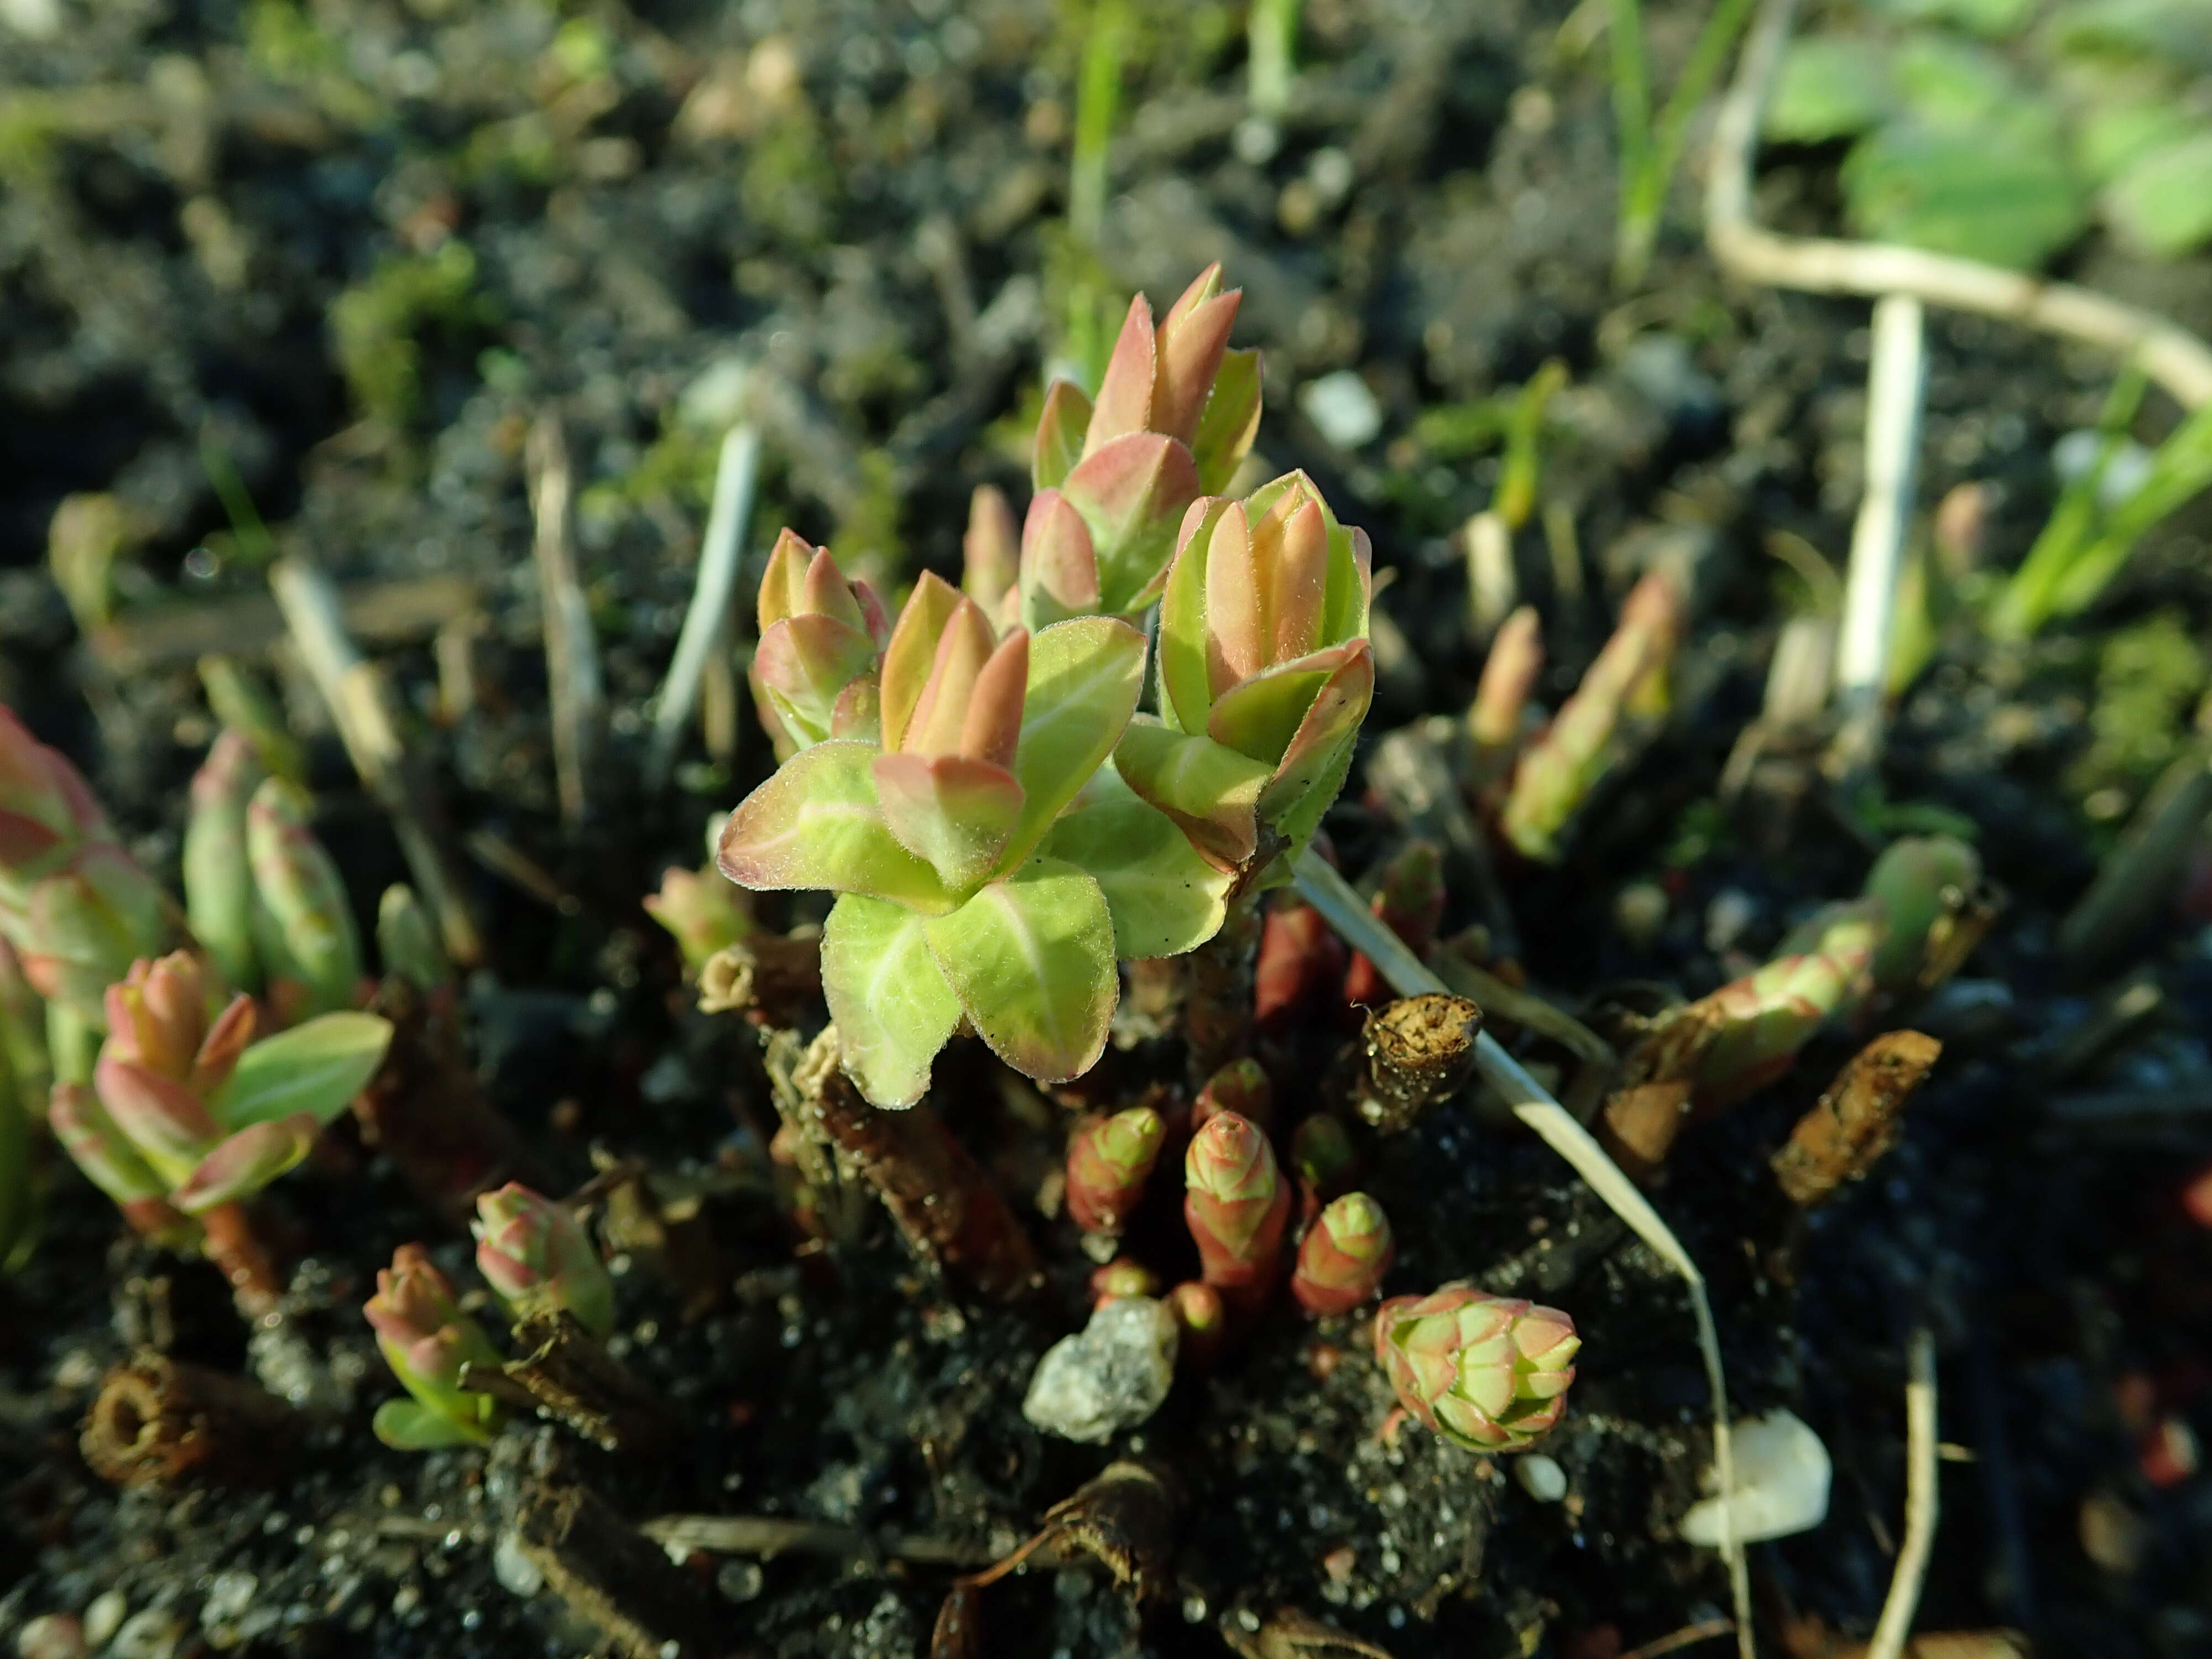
point(816, 823)
point(247, 1161)
point(1060, 433)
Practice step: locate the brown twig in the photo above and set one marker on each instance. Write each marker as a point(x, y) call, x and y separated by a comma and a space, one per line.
point(944, 1205)
point(1218, 990)
point(236, 1249)
point(383, 613)
point(771, 1535)
point(611, 1576)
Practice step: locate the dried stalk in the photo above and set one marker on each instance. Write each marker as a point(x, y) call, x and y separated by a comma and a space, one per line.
point(360, 706)
point(1419, 1050)
point(771, 1535)
point(1334, 897)
point(1897, 378)
point(574, 688)
point(706, 623)
point(1920, 1503)
point(2170, 355)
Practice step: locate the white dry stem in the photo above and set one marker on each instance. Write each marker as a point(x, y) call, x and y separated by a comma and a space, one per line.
point(360, 706)
point(2169, 354)
point(576, 693)
point(1920, 1502)
point(706, 623)
point(1896, 377)
point(1321, 886)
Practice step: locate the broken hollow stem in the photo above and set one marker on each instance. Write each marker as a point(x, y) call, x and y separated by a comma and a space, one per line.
point(1334, 897)
point(1419, 1050)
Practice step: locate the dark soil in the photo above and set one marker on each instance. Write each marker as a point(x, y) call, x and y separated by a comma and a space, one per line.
point(344, 252)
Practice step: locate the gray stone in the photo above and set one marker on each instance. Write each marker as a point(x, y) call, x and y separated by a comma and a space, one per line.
point(1112, 1375)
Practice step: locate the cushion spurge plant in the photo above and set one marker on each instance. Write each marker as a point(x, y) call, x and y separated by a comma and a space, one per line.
point(950, 780)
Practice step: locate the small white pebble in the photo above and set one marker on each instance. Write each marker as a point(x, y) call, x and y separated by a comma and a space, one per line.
point(1342, 408)
point(104, 1618)
point(52, 1636)
point(1541, 1477)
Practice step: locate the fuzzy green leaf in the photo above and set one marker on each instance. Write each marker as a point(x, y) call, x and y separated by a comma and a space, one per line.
point(1086, 675)
point(817, 823)
point(893, 1008)
point(2007, 199)
point(315, 1068)
point(953, 810)
point(1031, 959)
point(1162, 897)
point(1229, 422)
point(1210, 791)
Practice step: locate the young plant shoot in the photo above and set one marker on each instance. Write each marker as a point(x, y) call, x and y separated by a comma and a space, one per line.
point(949, 777)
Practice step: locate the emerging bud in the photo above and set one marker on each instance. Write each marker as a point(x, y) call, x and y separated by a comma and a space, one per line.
point(1203, 1320)
point(307, 935)
point(1265, 671)
point(1175, 413)
point(1344, 1255)
point(704, 909)
point(428, 1340)
point(1488, 1372)
point(1236, 1205)
point(1108, 1161)
point(991, 552)
point(218, 873)
point(1242, 1087)
point(1501, 697)
point(407, 941)
point(820, 640)
point(1925, 889)
point(1624, 689)
point(540, 1259)
point(1301, 961)
point(72, 902)
point(1121, 1277)
point(1759, 1023)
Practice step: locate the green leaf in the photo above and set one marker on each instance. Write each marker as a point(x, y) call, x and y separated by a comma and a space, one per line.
point(1031, 959)
point(1982, 196)
point(1260, 716)
point(893, 1008)
point(1830, 86)
point(247, 1161)
point(1954, 85)
point(2162, 204)
point(1208, 790)
point(2176, 33)
point(1163, 899)
point(1185, 690)
point(1325, 735)
point(1086, 675)
point(2115, 133)
point(317, 1068)
point(409, 1425)
point(1229, 421)
point(1995, 19)
point(817, 823)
